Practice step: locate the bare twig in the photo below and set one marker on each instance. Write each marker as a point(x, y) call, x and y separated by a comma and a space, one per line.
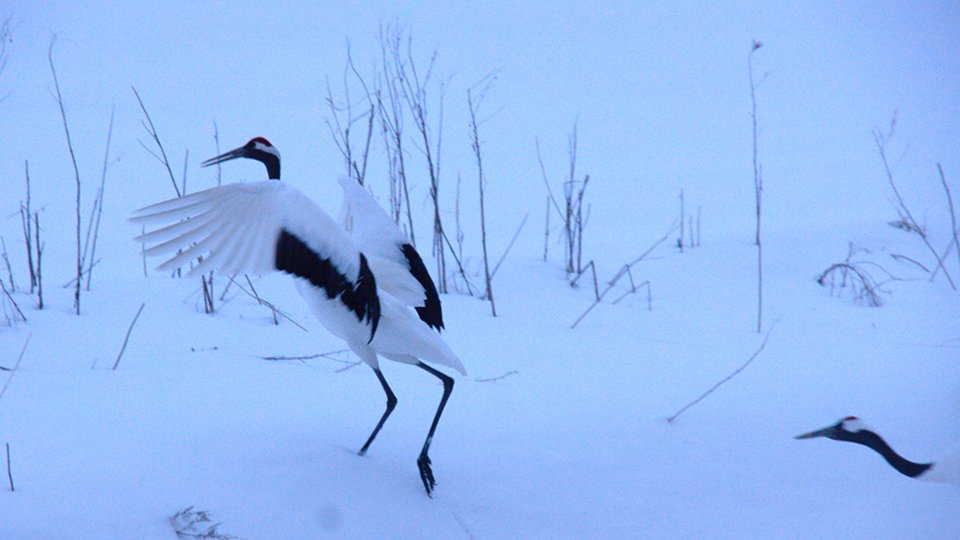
point(572, 214)
point(12, 301)
point(216, 141)
point(207, 286)
point(475, 139)
point(413, 88)
point(15, 366)
point(633, 290)
point(510, 245)
point(76, 171)
point(186, 159)
point(596, 287)
point(625, 270)
point(953, 215)
point(98, 206)
point(268, 304)
point(27, 233)
point(680, 241)
point(341, 131)
point(900, 258)
point(391, 124)
point(331, 355)
point(9, 470)
point(127, 337)
point(546, 182)
point(546, 229)
point(6, 261)
point(39, 247)
point(143, 250)
point(261, 301)
point(727, 378)
point(73, 280)
point(460, 269)
point(867, 289)
point(152, 131)
point(500, 378)
point(757, 184)
point(881, 140)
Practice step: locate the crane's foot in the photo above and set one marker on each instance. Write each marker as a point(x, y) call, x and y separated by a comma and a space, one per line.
point(426, 473)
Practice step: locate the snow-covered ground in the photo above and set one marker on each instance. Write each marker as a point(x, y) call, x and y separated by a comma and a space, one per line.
point(556, 432)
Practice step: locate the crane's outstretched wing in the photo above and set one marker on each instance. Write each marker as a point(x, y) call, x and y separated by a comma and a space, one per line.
point(398, 266)
point(258, 228)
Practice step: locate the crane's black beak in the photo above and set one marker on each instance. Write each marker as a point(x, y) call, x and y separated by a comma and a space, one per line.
point(233, 154)
point(825, 432)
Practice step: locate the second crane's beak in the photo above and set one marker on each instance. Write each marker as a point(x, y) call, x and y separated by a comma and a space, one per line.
point(825, 432)
point(233, 154)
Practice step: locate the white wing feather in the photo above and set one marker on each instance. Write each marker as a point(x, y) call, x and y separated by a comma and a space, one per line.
point(380, 240)
point(235, 228)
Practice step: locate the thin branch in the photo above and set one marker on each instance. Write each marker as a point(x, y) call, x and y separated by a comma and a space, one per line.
point(6, 261)
point(76, 171)
point(268, 304)
point(953, 215)
point(596, 287)
point(483, 226)
point(152, 130)
point(727, 378)
point(12, 301)
point(543, 173)
point(216, 141)
point(460, 269)
point(73, 280)
point(510, 245)
point(500, 378)
point(15, 366)
point(39, 247)
point(27, 236)
point(625, 270)
point(881, 142)
point(900, 258)
point(757, 185)
point(330, 355)
point(99, 203)
point(9, 470)
point(127, 337)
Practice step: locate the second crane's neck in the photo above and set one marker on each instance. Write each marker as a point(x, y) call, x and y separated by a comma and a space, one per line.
point(898, 462)
point(272, 163)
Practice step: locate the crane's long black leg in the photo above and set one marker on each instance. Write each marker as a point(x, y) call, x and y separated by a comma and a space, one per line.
point(391, 403)
point(423, 462)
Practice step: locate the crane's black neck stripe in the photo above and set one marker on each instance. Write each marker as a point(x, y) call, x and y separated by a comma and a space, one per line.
point(270, 161)
point(431, 312)
point(874, 441)
point(360, 297)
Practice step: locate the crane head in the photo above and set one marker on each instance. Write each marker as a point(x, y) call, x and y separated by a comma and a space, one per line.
point(257, 148)
point(839, 431)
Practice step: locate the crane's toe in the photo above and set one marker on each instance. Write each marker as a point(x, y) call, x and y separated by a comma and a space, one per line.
point(426, 473)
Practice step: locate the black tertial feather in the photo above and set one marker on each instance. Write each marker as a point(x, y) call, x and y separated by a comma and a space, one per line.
point(294, 256)
point(430, 312)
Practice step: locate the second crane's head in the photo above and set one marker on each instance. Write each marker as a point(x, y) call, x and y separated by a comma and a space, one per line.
point(259, 149)
point(847, 429)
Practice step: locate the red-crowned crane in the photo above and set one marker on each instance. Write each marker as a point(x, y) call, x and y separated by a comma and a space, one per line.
point(265, 226)
point(391, 256)
point(852, 429)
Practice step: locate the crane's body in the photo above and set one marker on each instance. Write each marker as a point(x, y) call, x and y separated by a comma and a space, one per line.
point(852, 429)
point(267, 226)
